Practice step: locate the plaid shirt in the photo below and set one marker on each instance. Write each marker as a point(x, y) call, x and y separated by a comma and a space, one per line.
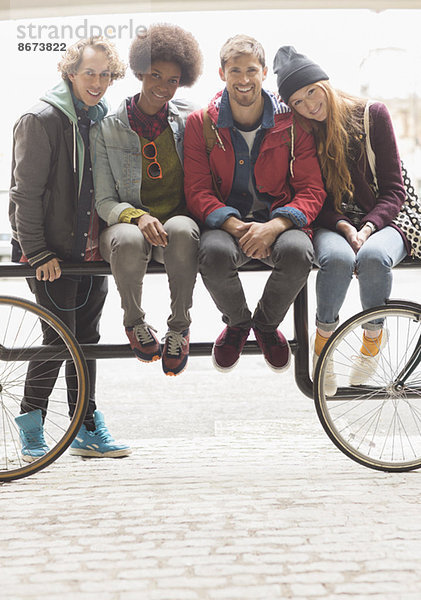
point(147, 126)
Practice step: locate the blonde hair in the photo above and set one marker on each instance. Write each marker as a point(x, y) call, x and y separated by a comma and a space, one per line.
point(339, 138)
point(72, 59)
point(241, 44)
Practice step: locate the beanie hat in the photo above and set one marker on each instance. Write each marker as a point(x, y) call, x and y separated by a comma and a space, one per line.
point(294, 71)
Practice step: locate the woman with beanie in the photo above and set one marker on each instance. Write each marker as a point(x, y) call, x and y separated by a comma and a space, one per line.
point(137, 153)
point(354, 232)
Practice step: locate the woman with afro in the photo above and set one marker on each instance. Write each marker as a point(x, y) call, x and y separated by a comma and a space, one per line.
point(138, 174)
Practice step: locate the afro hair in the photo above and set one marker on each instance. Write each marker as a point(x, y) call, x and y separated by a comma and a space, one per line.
point(170, 43)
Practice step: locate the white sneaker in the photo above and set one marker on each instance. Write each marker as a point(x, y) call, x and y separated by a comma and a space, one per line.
point(364, 367)
point(330, 383)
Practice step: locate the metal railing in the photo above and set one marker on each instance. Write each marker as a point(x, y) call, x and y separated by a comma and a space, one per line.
point(299, 344)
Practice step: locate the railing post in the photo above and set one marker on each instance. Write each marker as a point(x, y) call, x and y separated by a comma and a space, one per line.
point(302, 378)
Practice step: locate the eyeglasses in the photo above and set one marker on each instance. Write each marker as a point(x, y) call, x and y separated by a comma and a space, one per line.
point(92, 75)
point(150, 152)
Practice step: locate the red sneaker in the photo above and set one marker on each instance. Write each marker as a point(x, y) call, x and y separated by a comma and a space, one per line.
point(275, 348)
point(228, 347)
point(175, 352)
point(143, 342)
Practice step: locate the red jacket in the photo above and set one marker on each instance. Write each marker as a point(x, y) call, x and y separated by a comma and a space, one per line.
point(303, 192)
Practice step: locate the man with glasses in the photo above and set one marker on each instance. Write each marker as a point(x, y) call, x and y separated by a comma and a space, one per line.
point(53, 218)
point(253, 181)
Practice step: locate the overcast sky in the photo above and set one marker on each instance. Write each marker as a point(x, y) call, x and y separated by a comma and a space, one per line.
point(353, 47)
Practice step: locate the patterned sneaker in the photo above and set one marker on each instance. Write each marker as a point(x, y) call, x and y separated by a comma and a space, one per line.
point(227, 349)
point(31, 433)
point(98, 443)
point(275, 348)
point(364, 367)
point(143, 342)
point(175, 352)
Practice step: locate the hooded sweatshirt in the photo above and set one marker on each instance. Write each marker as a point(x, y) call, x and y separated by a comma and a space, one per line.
point(47, 174)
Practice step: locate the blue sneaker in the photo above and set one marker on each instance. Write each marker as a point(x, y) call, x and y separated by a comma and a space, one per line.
point(31, 431)
point(97, 443)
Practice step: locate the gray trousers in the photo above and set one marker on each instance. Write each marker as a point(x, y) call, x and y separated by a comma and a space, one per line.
point(220, 256)
point(127, 251)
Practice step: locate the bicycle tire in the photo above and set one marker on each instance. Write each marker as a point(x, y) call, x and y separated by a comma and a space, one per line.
point(378, 422)
point(22, 324)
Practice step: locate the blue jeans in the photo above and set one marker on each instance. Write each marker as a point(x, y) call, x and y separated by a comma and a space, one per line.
point(372, 264)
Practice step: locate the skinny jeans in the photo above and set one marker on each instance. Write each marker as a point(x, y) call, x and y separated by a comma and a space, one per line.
point(337, 263)
point(78, 302)
point(220, 257)
point(128, 252)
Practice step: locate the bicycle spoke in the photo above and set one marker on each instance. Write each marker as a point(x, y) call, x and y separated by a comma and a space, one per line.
point(23, 328)
point(377, 422)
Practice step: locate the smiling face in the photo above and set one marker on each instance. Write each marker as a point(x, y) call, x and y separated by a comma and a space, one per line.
point(159, 86)
point(310, 102)
point(244, 76)
point(92, 78)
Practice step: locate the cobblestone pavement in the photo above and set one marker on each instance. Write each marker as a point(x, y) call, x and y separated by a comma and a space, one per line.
point(233, 491)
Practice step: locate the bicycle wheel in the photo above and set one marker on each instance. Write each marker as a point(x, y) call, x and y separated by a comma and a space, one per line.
point(22, 327)
point(378, 422)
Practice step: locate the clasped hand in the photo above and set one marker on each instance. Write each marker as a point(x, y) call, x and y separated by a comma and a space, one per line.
point(356, 239)
point(153, 230)
point(255, 239)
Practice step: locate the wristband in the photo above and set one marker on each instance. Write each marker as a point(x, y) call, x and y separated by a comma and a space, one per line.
point(371, 226)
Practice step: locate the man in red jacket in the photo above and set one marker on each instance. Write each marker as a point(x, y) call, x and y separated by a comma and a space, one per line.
point(254, 190)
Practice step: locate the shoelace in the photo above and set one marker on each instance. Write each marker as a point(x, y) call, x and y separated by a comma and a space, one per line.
point(364, 365)
point(103, 433)
point(35, 438)
point(233, 337)
point(360, 356)
point(175, 342)
point(363, 359)
point(270, 337)
point(143, 334)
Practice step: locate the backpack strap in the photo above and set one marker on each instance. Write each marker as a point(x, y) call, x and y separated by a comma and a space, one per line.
point(211, 137)
point(209, 132)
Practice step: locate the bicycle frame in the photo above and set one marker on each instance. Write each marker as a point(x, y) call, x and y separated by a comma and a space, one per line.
point(415, 358)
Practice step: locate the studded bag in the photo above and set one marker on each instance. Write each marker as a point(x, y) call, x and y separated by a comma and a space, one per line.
point(409, 218)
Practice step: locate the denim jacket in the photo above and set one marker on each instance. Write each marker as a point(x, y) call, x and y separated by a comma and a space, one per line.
point(117, 159)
